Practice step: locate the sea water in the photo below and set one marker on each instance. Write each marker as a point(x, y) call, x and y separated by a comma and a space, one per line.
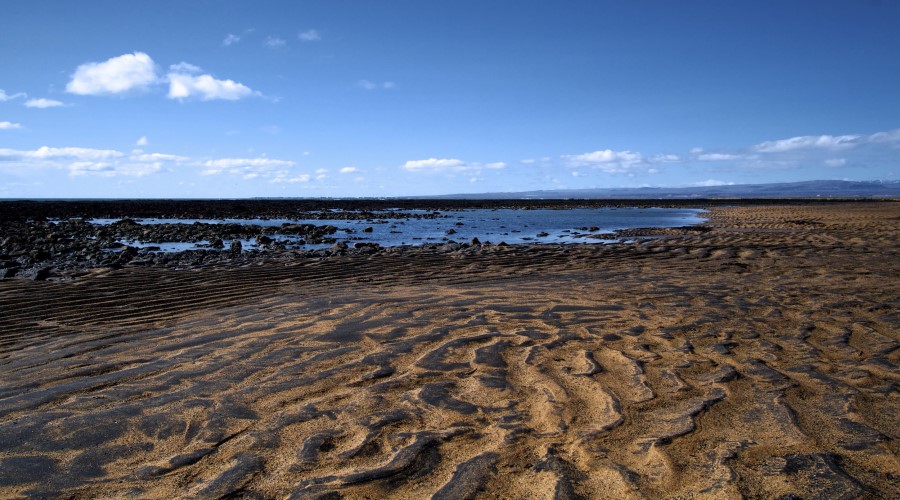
point(512, 226)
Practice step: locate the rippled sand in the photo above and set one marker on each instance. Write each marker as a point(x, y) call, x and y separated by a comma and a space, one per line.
point(758, 359)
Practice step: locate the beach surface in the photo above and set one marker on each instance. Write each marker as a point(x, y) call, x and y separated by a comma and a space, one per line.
point(756, 358)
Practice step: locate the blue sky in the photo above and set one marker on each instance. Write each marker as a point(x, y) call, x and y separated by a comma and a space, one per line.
point(363, 98)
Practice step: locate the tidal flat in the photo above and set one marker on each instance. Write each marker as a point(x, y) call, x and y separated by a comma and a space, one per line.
point(754, 355)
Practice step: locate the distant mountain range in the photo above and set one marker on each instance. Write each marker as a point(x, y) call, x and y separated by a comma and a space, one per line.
point(806, 189)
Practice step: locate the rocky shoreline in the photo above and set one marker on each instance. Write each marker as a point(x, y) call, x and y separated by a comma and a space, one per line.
point(55, 240)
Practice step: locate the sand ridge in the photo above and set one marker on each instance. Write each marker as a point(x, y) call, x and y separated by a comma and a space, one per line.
point(756, 359)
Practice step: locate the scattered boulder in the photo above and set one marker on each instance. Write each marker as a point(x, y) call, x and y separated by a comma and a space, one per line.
point(42, 274)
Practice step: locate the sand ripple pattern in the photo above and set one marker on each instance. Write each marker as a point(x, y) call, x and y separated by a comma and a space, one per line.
point(756, 360)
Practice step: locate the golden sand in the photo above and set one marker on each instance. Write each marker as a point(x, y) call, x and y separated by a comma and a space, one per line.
point(758, 359)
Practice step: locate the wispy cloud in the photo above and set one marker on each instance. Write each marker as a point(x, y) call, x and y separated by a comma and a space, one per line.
point(810, 150)
point(9, 125)
point(348, 170)
point(713, 183)
point(142, 141)
point(6, 97)
point(607, 160)
point(809, 142)
point(49, 153)
point(369, 85)
point(78, 162)
point(720, 157)
point(117, 75)
point(452, 165)
point(291, 179)
point(434, 164)
point(274, 42)
point(244, 166)
point(43, 103)
point(230, 39)
point(309, 36)
point(665, 158)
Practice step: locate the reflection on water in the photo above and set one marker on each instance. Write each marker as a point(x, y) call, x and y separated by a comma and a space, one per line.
point(512, 226)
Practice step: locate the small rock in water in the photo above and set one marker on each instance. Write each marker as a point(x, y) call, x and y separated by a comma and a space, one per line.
point(236, 247)
point(475, 241)
point(450, 231)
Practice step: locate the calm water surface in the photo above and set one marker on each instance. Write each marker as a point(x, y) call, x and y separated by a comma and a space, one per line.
point(512, 226)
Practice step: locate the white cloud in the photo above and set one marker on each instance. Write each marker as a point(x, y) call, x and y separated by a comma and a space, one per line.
point(696, 151)
point(87, 161)
point(183, 85)
point(112, 163)
point(116, 169)
point(43, 103)
point(607, 160)
point(155, 157)
point(665, 158)
point(369, 85)
point(452, 165)
point(433, 164)
point(185, 67)
point(719, 157)
point(809, 142)
point(9, 125)
point(275, 42)
point(90, 167)
point(284, 178)
point(713, 183)
point(245, 166)
point(309, 36)
point(6, 97)
point(48, 153)
point(231, 39)
point(835, 162)
point(889, 136)
point(348, 170)
point(142, 141)
point(118, 75)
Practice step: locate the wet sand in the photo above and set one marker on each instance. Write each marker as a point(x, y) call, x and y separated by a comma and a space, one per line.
point(757, 359)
